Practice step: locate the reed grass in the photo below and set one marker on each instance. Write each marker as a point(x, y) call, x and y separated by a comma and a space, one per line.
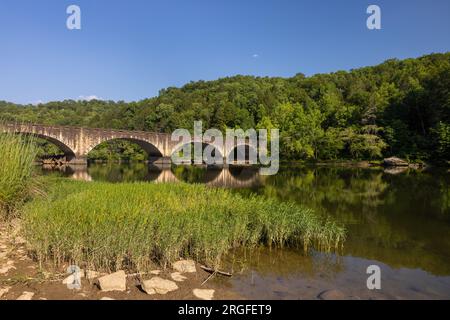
point(17, 181)
point(133, 225)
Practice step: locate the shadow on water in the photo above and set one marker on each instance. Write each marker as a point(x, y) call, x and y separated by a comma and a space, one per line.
point(397, 219)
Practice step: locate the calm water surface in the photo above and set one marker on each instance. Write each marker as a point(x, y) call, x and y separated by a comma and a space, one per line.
point(398, 220)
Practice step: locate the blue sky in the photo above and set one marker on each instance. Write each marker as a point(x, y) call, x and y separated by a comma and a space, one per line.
point(129, 50)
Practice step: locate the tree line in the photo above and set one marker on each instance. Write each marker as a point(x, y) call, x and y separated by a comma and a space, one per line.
point(398, 108)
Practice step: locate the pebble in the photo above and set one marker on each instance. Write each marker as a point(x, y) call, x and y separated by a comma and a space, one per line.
point(204, 294)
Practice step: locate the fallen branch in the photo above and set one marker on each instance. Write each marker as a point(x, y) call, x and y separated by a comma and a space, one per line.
point(210, 270)
point(209, 277)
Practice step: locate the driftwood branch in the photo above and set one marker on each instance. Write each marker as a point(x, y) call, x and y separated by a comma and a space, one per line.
point(210, 270)
point(209, 277)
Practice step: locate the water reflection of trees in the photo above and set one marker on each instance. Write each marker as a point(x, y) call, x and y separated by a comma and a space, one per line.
point(283, 262)
point(400, 219)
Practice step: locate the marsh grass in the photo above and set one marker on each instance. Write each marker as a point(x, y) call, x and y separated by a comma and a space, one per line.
point(134, 225)
point(17, 181)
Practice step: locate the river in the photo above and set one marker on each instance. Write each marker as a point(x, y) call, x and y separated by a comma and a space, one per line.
point(398, 220)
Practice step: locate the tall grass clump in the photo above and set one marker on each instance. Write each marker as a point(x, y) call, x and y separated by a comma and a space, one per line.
point(111, 226)
point(16, 172)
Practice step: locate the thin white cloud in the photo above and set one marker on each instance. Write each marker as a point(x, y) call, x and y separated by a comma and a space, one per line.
point(255, 56)
point(89, 98)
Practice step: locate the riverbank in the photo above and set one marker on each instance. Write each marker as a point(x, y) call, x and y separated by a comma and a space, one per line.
point(144, 233)
point(22, 278)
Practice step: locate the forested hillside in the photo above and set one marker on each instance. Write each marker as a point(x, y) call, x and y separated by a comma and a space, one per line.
point(399, 108)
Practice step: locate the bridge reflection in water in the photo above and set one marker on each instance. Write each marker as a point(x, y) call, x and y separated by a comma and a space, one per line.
point(232, 177)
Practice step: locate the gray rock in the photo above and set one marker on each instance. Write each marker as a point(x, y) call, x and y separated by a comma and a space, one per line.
point(158, 285)
point(113, 282)
point(395, 162)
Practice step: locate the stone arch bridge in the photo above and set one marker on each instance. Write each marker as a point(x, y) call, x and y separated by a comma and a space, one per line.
point(77, 142)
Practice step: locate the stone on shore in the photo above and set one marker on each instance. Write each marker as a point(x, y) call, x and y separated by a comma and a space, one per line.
point(113, 282)
point(204, 294)
point(26, 296)
point(395, 162)
point(176, 276)
point(90, 274)
point(158, 285)
point(71, 278)
point(5, 269)
point(4, 291)
point(184, 266)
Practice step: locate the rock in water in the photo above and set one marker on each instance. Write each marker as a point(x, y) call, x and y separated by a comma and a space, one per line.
point(204, 294)
point(395, 162)
point(158, 285)
point(184, 266)
point(113, 282)
point(332, 295)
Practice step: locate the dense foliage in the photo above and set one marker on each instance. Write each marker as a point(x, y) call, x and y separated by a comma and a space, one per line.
point(399, 108)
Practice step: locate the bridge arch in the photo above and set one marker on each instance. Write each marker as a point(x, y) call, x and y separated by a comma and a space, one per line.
point(68, 151)
point(150, 149)
point(216, 152)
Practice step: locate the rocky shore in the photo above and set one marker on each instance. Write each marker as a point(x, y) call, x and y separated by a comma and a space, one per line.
point(21, 278)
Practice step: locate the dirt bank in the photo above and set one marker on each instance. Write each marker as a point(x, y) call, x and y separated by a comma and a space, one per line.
point(22, 278)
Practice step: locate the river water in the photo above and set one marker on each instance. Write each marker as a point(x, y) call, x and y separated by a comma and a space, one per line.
point(398, 220)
